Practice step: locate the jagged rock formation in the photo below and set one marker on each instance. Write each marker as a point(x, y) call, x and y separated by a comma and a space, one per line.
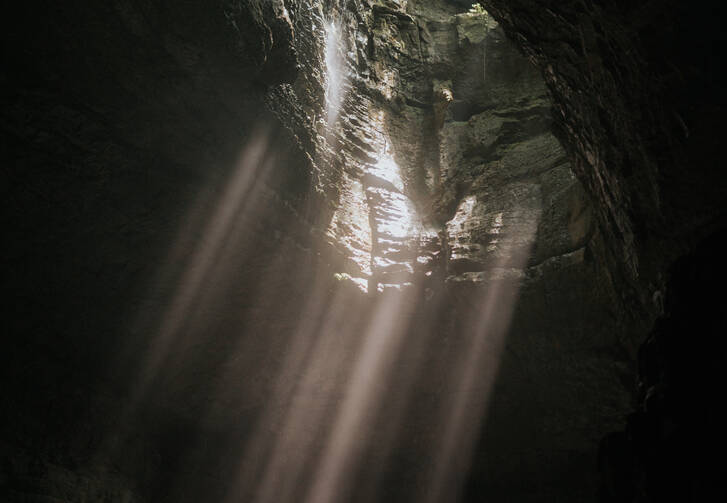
point(195, 190)
point(634, 107)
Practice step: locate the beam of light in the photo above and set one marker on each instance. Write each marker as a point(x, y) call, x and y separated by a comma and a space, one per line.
point(305, 402)
point(229, 208)
point(467, 410)
point(310, 409)
point(278, 460)
point(275, 463)
point(273, 458)
point(472, 386)
point(382, 343)
point(400, 393)
point(335, 67)
point(183, 274)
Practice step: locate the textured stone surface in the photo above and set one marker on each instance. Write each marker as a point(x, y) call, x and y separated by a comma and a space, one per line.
point(637, 111)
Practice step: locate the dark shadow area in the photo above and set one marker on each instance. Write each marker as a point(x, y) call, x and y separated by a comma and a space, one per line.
point(669, 450)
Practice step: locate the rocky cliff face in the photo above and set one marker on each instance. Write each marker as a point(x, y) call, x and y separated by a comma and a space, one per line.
point(637, 99)
point(256, 243)
point(634, 108)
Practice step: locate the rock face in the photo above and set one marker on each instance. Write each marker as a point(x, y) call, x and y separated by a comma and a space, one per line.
point(638, 103)
point(260, 245)
point(634, 108)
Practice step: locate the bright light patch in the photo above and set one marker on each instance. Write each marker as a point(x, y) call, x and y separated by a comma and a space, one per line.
point(388, 82)
point(334, 73)
point(393, 286)
point(350, 225)
point(463, 214)
point(496, 224)
point(361, 283)
point(397, 217)
point(387, 169)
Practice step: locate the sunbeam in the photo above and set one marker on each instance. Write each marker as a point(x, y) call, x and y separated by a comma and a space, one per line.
point(335, 72)
point(335, 389)
point(472, 382)
point(371, 377)
point(229, 208)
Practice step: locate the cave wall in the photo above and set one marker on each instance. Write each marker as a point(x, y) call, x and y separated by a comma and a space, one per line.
point(636, 97)
point(636, 88)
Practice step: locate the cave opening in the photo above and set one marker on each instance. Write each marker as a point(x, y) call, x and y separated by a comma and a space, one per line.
point(362, 251)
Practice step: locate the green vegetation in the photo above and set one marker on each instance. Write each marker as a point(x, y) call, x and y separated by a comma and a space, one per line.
point(477, 9)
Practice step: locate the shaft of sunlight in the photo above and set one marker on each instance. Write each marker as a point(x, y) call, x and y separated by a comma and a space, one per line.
point(335, 76)
point(300, 401)
point(215, 230)
point(382, 343)
point(472, 385)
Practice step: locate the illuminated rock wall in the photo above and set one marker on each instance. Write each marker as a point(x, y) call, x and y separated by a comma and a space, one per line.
point(443, 174)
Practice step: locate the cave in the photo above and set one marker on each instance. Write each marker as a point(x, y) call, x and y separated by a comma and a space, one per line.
point(322, 251)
